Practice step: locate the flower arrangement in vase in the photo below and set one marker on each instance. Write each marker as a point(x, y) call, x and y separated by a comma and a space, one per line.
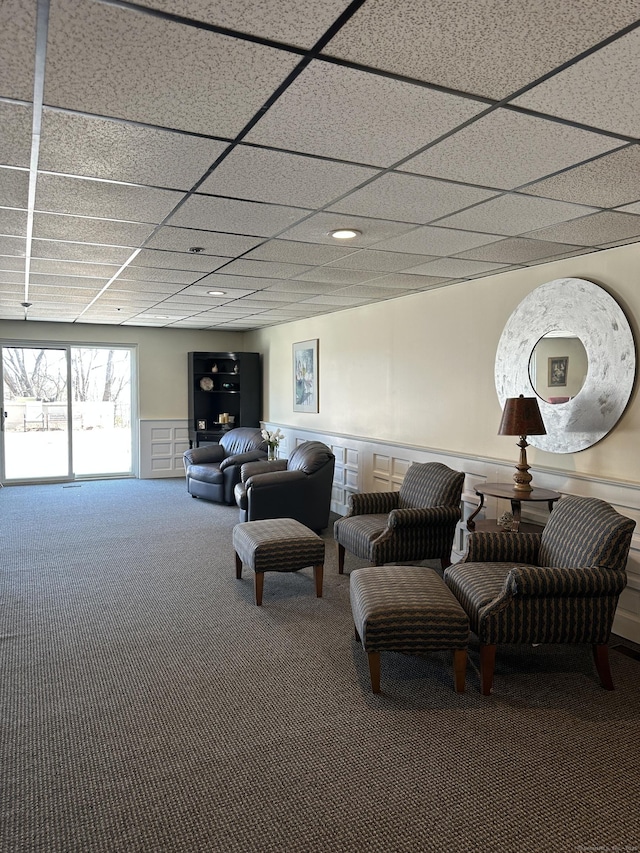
point(273, 439)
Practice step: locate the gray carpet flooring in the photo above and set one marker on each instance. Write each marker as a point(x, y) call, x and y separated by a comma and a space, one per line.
point(149, 705)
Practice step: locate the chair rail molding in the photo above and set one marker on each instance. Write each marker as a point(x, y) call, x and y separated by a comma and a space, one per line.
point(367, 465)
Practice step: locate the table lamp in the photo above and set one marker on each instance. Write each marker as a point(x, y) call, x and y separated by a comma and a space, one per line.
point(521, 416)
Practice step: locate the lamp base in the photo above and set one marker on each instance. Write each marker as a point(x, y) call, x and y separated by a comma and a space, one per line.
point(522, 478)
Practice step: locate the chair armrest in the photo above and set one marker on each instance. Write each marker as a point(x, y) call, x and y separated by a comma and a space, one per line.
point(241, 458)
point(203, 455)
point(274, 478)
point(554, 582)
point(249, 469)
point(423, 516)
point(372, 503)
point(485, 547)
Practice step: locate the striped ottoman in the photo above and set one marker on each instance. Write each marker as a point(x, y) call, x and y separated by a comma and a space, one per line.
point(407, 609)
point(277, 545)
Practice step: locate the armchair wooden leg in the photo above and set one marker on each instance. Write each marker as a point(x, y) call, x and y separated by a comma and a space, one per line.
point(318, 573)
point(238, 567)
point(340, 559)
point(374, 670)
point(487, 666)
point(459, 668)
point(601, 658)
point(259, 587)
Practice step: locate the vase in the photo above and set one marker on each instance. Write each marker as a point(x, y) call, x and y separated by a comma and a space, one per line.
point(272, 453)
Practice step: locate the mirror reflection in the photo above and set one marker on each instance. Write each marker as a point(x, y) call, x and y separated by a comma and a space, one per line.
point(558, 367)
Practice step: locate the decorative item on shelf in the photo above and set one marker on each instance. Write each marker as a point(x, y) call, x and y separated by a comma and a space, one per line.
point(273, 439)
point(521, 416)
point(206, 383)
point(202, 425)
point(236, 368)
point(214, 368)
point(229, 386)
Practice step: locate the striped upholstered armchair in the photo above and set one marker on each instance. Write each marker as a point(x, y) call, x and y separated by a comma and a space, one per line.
point(416, 523)
point(558, 586)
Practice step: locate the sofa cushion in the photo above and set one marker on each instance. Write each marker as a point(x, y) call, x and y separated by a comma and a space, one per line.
point(206, 473)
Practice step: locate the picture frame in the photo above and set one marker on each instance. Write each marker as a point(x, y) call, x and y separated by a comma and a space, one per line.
point(305, 376)
point(558, 370)
point(202, 425)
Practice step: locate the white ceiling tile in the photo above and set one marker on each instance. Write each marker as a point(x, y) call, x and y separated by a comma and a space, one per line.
point(159, 288)
point(318, 228)
point(518, 250)
point(345, 113)
point(288, 21)
point(410, 199)
point(84, 197)
point(370, 259)
point(368, 291)
point(294, 286)
point(178, 260)
point(491, 49)
point(14, 188)
point(64, 250)
point(47, 280)
point(13, 223)
point(213, 243)
point(58, 267)
point(11, 262)
point(55, 226)
point(455, 268)
point(331, 275)
point(631, 208)
point(431, 240)
point(283, 178)
point(17, 40)
point(601, 90)
point(237, 217)
point(592, 230)
point(515, 214)
point(117, 62)
point(506, 149)
point(155, 274)
point(13, 246)
point(332, 299)
point(12, 277)
point(114, 150)
point(263, 269)
point(290, 251)
point(606, 182)
point(405, 281)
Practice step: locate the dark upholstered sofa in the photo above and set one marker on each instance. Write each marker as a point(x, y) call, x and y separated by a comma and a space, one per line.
point(298, 487)
point(213, 470)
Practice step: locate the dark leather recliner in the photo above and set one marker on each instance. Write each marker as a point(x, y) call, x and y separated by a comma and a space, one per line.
point(298, 487)
point(213, 470)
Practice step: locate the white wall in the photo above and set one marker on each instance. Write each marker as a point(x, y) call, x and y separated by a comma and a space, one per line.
point(420, 370)
point(161, 356)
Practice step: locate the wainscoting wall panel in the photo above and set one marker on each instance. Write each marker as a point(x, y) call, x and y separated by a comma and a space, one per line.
point(369, 466)
point(162, 443)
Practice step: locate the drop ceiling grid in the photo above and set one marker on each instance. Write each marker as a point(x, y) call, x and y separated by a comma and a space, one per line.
point(425, 174)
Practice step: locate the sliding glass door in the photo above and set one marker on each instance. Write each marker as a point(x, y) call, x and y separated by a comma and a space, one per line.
point(66, 412)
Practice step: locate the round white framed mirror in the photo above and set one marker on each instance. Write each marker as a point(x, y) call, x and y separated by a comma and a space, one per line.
point(570, 344)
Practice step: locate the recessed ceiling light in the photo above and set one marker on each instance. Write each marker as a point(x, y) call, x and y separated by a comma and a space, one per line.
point(345, 233)
point(215, 292)
point(196, 250)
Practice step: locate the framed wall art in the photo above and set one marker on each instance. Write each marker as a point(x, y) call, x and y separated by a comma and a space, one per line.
point(558, 368)
point(305, 376)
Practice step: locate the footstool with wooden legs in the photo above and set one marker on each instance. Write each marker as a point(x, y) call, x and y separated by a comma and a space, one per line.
point(277, 545)
point(407, 609)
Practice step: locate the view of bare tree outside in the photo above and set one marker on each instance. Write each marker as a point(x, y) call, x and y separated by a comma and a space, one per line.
point(36, 426)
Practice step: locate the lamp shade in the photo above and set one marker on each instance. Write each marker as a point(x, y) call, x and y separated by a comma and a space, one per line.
point(521, 416)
